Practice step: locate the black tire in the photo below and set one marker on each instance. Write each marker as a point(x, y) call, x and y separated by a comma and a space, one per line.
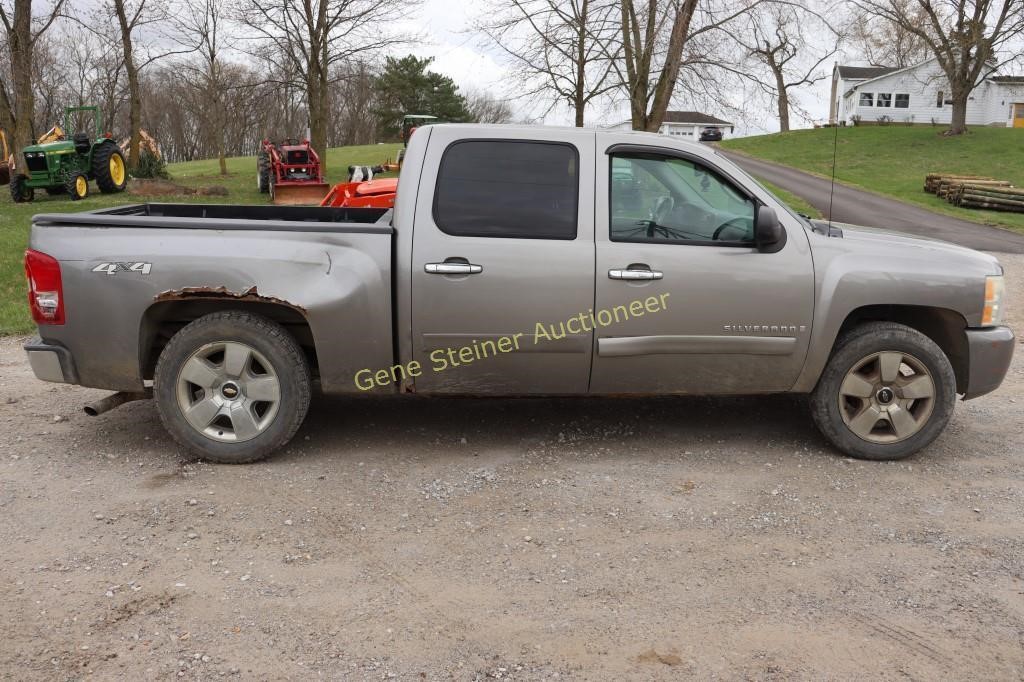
point(854, 347)
point(56, 191)
point(263, 173)
point(269, 339)
point(72, 188)
point(21, 194)
point(101, 156)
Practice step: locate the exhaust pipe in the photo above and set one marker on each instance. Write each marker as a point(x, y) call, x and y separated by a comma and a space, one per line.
point(98, 407)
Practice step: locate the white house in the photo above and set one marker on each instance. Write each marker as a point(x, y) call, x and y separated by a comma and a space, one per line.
point(685, 124)
point(919, 94)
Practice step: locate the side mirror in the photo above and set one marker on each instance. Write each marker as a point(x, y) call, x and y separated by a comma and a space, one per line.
point(768, 233)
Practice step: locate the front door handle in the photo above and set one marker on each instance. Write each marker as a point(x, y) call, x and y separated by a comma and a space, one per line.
point(636, 272)
point(453, 268)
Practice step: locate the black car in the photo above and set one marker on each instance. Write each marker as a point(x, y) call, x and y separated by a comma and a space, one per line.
point(711, 134)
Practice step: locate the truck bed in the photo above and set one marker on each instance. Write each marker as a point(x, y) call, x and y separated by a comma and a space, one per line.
point(229, 217)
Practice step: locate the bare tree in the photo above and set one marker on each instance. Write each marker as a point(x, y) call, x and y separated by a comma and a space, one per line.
point(485, 108)
point(204, 21)
point(353, 94)
point(883, 43)
point(559, 48)
point(662, 38)
point(781, 39)
point(22, 31)
point(315, 35)
point(969, 38)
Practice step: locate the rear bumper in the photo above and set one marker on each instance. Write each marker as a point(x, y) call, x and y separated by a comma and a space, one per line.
point(989, 352)
point(50, 362)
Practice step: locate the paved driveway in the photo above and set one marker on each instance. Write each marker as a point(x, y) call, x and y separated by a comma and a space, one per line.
point(864, 208)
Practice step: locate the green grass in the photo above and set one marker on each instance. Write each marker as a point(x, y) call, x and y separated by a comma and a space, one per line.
point(15, 219)
point(893, 160)
point(792, 200)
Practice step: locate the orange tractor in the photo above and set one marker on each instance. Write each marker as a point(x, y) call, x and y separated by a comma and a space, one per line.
point(291, 172)
point(361, 190)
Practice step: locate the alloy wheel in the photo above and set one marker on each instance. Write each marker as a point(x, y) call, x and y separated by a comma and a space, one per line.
point(228, 391)
point(887, 397)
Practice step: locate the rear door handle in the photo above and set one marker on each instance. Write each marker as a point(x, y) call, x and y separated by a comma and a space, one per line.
point(453, 268)
point(635, 273)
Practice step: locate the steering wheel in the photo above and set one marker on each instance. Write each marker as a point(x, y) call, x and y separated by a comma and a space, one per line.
point(735, 223)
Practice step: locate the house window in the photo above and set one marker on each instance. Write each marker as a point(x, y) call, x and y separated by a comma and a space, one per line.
point(884, 99)
point(867, 99)
point(902, 101)
point(938, 100)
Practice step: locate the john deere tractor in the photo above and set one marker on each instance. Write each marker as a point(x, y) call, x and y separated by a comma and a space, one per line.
point(59, 165)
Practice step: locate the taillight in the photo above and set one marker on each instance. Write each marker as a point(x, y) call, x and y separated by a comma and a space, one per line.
point(45, 290)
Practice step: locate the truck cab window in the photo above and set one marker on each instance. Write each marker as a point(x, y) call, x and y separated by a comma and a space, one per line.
point(667, 199)
point(500, 188)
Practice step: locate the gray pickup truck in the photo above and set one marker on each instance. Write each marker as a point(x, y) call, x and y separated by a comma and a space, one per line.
point(517, 261)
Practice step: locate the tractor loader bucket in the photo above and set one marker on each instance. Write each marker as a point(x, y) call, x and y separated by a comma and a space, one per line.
point(299, 194)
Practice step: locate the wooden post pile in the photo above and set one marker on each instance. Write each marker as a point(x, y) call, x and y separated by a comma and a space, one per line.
point(976, 191)
point(933, 181)
point(988, 197)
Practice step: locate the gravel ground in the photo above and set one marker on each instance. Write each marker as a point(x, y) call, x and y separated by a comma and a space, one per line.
point(532, 539)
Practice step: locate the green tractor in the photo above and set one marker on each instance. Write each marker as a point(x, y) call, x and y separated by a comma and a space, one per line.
point(60, 166)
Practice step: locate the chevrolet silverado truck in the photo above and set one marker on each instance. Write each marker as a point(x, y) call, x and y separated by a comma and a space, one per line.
point(517, 261)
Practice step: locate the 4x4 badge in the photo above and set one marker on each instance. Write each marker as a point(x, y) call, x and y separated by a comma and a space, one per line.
point(114, 268)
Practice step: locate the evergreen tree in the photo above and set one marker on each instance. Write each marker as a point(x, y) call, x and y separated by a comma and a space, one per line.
point(407, 87)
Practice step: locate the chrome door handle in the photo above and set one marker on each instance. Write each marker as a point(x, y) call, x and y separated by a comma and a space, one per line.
point(453, 268)
point(635, 274)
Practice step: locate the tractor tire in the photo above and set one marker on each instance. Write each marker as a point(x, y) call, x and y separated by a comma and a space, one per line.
point(77, 185)
point(109, 168)
point(20, 193)
point(56, 191)
point(263, 173)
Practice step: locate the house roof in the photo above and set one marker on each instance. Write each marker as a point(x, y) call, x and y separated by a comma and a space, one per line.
point(1007, 79)
point(692, 117)
point(864, 72)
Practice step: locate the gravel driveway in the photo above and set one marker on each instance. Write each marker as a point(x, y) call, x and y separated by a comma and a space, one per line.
point(533, 539)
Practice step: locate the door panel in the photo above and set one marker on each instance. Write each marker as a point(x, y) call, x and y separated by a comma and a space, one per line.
point(476, 332)
point(734, 320)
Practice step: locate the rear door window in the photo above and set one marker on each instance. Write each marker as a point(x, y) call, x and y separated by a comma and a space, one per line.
point(505, 188)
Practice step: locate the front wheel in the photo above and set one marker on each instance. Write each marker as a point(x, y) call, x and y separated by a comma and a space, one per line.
point(232, 387)
point(887, 391)
point(20, 191)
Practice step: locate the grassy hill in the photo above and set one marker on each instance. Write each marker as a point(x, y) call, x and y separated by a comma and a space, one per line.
point(893, 160)
point(15, 219)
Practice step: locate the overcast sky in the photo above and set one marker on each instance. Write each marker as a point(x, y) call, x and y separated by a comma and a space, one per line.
point(460, 53)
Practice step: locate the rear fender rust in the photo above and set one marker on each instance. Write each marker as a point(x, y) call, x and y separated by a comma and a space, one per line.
point(250, 295)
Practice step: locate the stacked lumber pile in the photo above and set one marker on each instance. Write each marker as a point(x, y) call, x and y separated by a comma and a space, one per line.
point(933, 182)
point(1002, 198)
point(975, 191)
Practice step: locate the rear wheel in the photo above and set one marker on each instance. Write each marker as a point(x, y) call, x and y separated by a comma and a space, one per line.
point(887, 391)
point(109, 168)
point(77, 185)
point(232, 387)
point(263, 173)
point(20, 191)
